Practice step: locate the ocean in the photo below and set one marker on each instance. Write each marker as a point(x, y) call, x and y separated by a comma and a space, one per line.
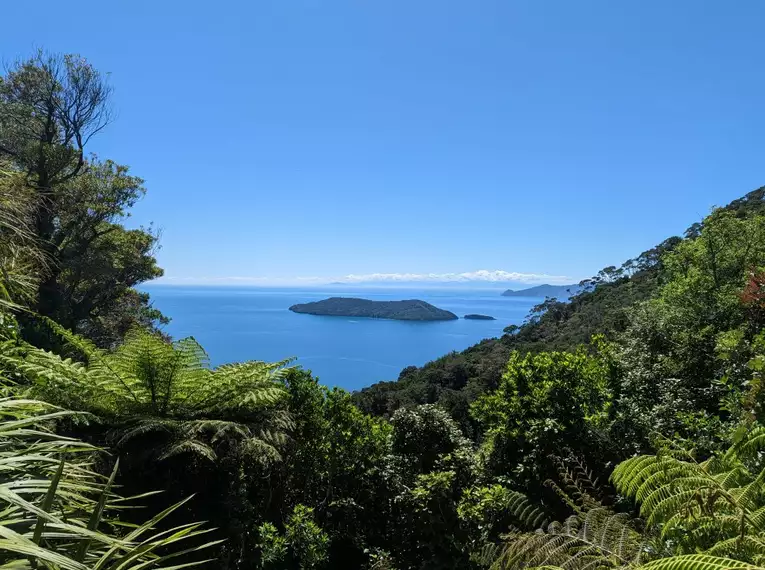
point(253, 323)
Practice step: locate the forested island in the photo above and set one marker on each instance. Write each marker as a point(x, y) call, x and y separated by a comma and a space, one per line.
point(621, 430)
point(474, 317)
point(408, 310)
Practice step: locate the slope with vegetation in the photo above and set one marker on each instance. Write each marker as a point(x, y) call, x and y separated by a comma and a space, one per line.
point(623, 429)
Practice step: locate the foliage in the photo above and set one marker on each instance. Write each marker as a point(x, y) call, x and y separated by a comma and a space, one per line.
point(546, 403)
point(336, 463)
point(21, 262)
point(88, 247)
point(431, 466)
point(454, 381)
point(57, 513)
point(178, 423)
point(425, 435)
point(93, 248)
point(598, 539)
point(489, 512)
point(303, 544)
point(151, 386)
point(50, 108)
point(688, 349)
point(715, 506)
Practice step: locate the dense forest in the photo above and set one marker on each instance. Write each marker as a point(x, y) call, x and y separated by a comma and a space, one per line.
point(620, 429)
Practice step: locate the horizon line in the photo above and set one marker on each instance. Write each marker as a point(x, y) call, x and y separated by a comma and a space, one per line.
point(482, 277)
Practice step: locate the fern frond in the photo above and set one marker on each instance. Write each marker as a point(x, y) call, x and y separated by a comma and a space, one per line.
point(698, 562)
point(525, 512)
point(192, 447)
point(747, 546)
point(261, 451)
point(148, 384)
point(580, 488)
point(749, 443)
point(145, 427)
point(487, 555)
point(716, 506)
point(749, 496)
point(600, 539)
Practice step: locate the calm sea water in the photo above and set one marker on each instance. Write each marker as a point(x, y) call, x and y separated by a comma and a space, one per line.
point(246, 323)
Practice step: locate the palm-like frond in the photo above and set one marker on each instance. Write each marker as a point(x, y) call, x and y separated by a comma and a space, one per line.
point(525, 512)
point(707, 515)
point(714, 506)
point(578, 486)
point(169, 389)
point(698, 562)
point(599, 539)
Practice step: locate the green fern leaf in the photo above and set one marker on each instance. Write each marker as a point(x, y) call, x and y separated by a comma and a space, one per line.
point(698, 562)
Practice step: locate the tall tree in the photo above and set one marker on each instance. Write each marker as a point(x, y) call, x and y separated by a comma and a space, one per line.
point(99, 261)
point(50, 108)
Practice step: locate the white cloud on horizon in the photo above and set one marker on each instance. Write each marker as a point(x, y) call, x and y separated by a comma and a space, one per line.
point(481, 276)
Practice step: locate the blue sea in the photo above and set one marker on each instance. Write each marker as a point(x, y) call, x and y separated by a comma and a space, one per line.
point(253, 323)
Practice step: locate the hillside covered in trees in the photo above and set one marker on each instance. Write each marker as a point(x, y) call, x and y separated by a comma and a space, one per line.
point(602, 306)
point(622, 429)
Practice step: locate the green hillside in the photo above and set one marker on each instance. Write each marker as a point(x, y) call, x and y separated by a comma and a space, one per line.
point(602, 307)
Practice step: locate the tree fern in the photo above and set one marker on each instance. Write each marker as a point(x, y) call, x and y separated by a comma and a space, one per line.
point(715, 506)
point(698, 562)
point(699, 515)
point(578, 487)
point(169, 390)
point(600, 539)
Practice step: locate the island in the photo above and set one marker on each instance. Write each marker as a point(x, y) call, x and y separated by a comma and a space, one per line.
point(560, 292)
point(473, 317)
point(409, 310)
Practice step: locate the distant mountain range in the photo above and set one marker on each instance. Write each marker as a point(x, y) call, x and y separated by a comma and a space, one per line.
point(560, 292)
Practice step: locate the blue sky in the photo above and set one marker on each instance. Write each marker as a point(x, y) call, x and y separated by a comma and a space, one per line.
point(285, 138)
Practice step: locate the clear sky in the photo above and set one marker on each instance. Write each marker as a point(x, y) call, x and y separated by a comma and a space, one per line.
point(283, 138)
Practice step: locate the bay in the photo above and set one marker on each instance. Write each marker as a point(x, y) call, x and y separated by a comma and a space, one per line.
point(254, 323)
